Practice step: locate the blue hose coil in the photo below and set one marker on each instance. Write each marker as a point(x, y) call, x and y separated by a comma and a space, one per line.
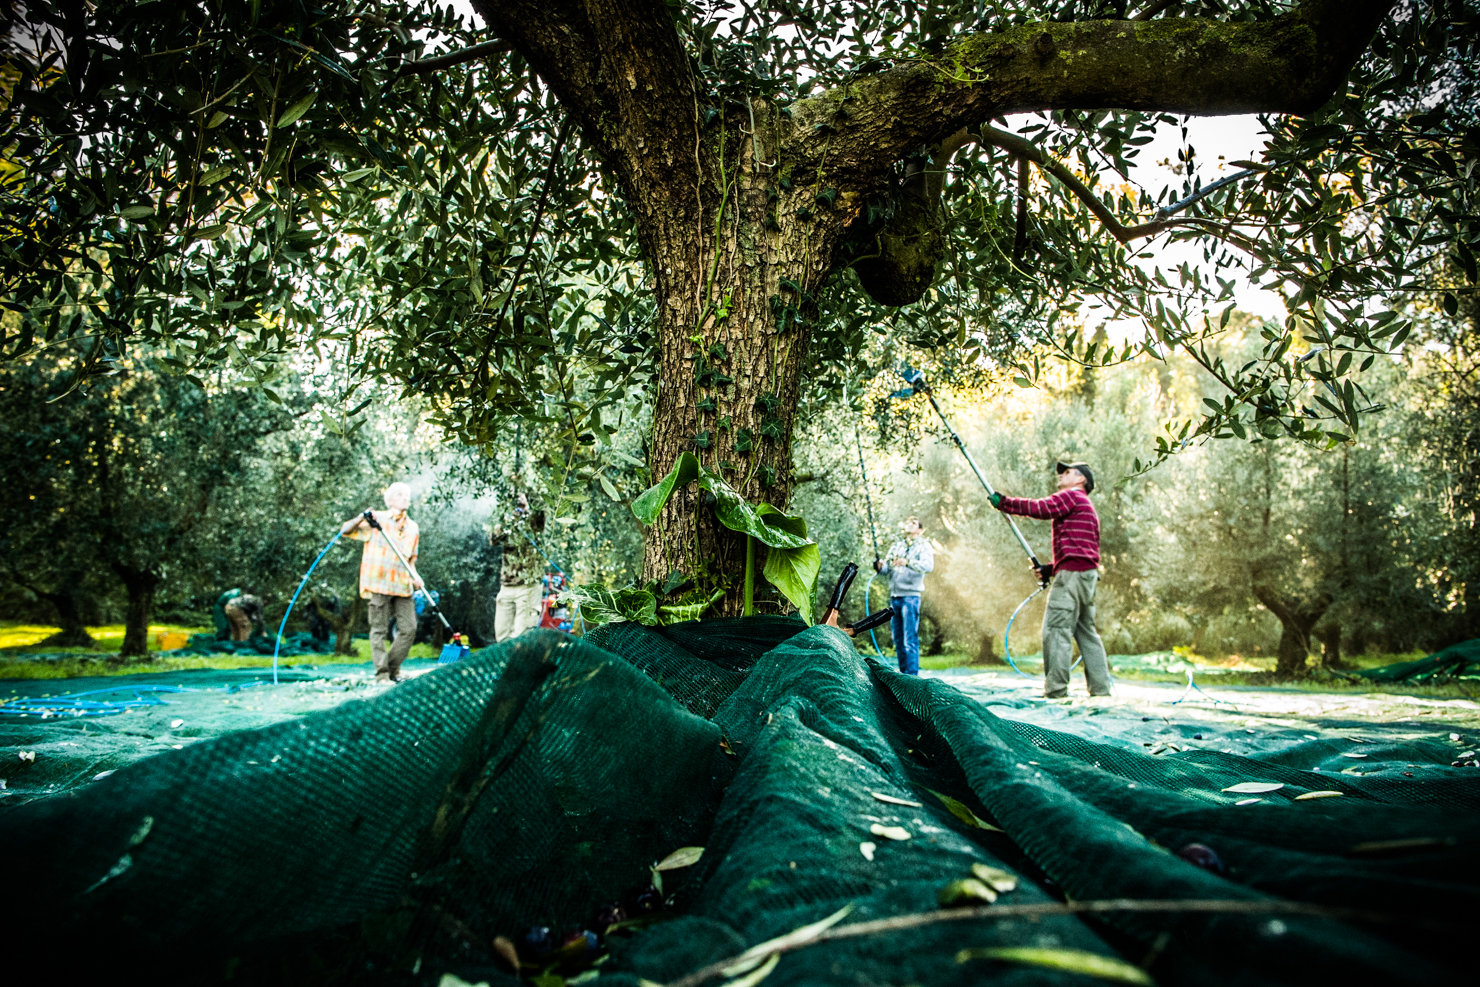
point(279, 642)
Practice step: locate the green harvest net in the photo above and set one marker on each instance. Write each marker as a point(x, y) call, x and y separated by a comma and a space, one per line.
point(1458, 661)
point(394, 840)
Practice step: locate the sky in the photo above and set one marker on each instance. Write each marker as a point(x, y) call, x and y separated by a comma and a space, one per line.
point(1230, 138)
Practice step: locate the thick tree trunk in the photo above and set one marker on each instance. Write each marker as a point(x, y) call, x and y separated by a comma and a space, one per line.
point(1330, 635)
point(140, 586)
point(341, 621)
point(986, 652)
point(736, 305)
point(1296, 618)
point(73, 628)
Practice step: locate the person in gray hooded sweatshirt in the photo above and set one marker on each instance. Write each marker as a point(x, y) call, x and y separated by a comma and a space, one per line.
point(907, 561)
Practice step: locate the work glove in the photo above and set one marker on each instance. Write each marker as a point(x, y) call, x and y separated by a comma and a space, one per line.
point(1045, 572)
point(996, 500)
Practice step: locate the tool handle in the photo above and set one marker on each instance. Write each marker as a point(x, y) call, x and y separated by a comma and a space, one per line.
point(873, 620)
point(369, 516)
point(840, 589)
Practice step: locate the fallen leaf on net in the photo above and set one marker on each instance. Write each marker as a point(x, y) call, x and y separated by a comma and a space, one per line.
point(1069, 960)
point(995, 877)
point(684, 856)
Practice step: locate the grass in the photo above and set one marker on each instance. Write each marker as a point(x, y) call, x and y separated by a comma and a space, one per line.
point(102, 658)
point(107, 638)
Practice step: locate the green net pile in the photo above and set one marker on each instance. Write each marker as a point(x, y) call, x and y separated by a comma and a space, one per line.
point(1458, 661)
point(534, 784)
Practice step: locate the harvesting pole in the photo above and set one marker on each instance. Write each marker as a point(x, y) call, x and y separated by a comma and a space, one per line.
point(916, 380)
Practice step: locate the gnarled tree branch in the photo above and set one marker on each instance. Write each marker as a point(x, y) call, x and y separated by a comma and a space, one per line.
point(622, 73)
point(1025, 150)
point(1289, 64)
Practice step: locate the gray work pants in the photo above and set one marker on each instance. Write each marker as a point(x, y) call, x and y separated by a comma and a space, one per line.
point(516, 610)
point(382, 609)
point(1070, 617)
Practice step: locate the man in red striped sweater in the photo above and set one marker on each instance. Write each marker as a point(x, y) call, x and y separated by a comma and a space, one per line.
point(1075, 570)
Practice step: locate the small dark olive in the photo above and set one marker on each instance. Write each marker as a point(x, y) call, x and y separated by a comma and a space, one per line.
point(607, 916)
point(537, 942)
point(646, 901)
point(1203, 856)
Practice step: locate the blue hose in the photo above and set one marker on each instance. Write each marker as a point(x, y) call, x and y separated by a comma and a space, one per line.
point(74, 705)
point(1006, 647)
point(1006, 634)
point(279, 643)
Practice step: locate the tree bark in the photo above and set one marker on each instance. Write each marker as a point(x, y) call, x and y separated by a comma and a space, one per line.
point(1330, 635)
point(72, 631)
point(341, 622)
point(986, 652)
point(140, 585)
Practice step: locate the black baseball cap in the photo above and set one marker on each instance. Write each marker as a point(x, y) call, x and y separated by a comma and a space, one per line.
point(1089, 477)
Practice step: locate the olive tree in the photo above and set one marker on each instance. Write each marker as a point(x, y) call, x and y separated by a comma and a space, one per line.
point(538, 213)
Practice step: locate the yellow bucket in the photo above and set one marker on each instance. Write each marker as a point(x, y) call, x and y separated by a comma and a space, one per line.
point(170, 640)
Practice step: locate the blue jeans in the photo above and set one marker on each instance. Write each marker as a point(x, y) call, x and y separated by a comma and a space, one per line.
point(905, 627)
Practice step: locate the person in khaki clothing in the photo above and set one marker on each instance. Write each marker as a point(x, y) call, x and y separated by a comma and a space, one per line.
point(1075, 571)
point(385, 581)
point(522, 574)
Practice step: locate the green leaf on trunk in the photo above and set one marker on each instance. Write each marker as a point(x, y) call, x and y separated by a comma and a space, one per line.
point(600, 606)
point(650, 501)
point(677, 613)
point(735, 513)
point(794, 572)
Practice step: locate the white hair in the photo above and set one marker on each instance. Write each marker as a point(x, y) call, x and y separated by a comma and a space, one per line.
point(397, 488)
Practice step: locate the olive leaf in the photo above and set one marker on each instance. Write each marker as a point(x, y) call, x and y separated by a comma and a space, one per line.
point(963, 813)
point(1068, 960)
point(994, 877)
point(967, 891)
point(684, 856)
